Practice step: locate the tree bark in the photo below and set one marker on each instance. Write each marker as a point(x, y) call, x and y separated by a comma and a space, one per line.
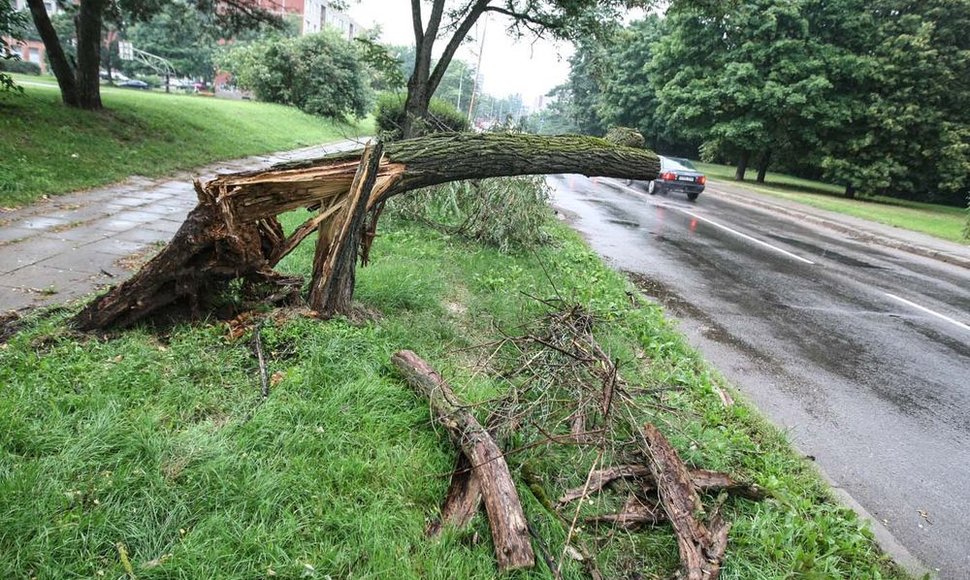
point(60, 66)
point(742, 166)
point(510, 530)
point(849, 191)
point(89, 20)
point(234, 233)
point(763, 165)
point(701, 545)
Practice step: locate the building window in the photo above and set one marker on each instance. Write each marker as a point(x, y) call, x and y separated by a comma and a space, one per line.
point(33, 55)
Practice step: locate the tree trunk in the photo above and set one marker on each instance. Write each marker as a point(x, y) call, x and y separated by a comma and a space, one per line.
point(510, 531)
point(763, 165)
point(55, 53)
point(233, 231)
point(416, 104)
point(849, 191)
point(89, 19)
point(742, 166)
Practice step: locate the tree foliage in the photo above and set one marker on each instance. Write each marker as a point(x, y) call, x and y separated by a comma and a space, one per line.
point(872, 95)
point(11, 27)
point(322, 73)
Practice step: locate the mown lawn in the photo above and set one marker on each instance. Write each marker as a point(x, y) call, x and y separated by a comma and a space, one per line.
point(155, 444)
point(941, 221)
point(49, 149)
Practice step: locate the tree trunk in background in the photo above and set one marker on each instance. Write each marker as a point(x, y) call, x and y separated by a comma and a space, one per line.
point(742, 166)
point(849, 191)
point(55, 53)
point(763, 165)
point(416, 105)
point(88, 23)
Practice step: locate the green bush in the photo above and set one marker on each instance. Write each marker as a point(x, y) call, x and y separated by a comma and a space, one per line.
point(443, 117)
point(508, 213)
point(19, 66)
point(322, 74)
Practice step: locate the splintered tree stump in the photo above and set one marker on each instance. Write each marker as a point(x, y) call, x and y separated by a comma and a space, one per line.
point(333, 265)
point(510, 531)
point(234, 232)
point(701, 544)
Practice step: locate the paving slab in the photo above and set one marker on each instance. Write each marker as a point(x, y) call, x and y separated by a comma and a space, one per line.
point(59, 249)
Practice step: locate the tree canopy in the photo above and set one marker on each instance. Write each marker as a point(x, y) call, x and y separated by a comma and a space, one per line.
point(872, 95)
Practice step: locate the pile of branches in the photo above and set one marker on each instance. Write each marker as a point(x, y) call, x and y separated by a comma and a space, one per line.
point(565, 391)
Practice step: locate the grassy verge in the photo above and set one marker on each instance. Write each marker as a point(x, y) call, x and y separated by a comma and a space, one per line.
point(941, 221)
point(157, 444)
point(50, 149)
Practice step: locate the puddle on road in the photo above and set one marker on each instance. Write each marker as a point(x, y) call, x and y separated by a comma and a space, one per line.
point(824, 253)
point(624, 223)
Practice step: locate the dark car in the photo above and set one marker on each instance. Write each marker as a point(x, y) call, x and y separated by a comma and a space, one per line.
point(134, 84)
point(677, 175)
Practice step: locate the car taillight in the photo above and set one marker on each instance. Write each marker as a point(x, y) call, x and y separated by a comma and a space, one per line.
point(668, 176)
point(702, 179)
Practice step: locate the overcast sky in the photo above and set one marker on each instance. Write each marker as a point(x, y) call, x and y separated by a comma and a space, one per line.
point(508, 67)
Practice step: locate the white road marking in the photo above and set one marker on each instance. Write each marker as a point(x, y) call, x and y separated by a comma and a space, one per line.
point(928, 311)
point(747, 237)
point(727, 229)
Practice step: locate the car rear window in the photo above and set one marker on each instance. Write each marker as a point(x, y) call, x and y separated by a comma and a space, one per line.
point(670, 164)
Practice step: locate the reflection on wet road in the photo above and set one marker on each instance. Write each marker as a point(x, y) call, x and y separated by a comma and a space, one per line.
point(861, 352)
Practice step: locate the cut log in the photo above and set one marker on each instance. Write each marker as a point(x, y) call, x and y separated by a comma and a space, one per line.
point(510, 531)
point(462, 500)
point(704, 481)
point(234, 233)
point(701, 544)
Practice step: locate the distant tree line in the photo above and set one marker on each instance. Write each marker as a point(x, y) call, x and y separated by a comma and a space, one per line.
point(873, 95)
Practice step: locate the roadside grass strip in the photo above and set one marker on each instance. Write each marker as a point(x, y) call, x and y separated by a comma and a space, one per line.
point(48, 149)
point(941, 221)
point(153, 454)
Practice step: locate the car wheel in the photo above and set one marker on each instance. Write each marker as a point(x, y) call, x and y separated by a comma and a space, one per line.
point(652, 188)
point(692, 196)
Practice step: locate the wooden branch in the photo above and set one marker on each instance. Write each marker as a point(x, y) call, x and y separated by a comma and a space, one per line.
point(635, 514)
point(704, 481)
point(462, 500)
point(510, 532)
point(701, 545)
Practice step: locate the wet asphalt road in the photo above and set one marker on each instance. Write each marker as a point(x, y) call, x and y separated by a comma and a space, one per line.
point(825, 335)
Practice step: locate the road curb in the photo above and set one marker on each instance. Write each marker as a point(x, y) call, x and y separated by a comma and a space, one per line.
point(854, 232)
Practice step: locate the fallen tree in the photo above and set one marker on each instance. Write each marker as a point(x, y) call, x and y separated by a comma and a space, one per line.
point(234, 231)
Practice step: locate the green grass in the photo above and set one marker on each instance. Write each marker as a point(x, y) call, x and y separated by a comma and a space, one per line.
point(49, 149)
point(941, 221)
point(156, 441)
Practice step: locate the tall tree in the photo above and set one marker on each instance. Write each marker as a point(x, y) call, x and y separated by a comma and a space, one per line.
point(79, 81)
point(749, 82)
point(452, 22)
point(911, 135)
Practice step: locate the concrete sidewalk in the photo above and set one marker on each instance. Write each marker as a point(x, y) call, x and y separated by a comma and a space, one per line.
point(857, 228)
point(69, 246)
